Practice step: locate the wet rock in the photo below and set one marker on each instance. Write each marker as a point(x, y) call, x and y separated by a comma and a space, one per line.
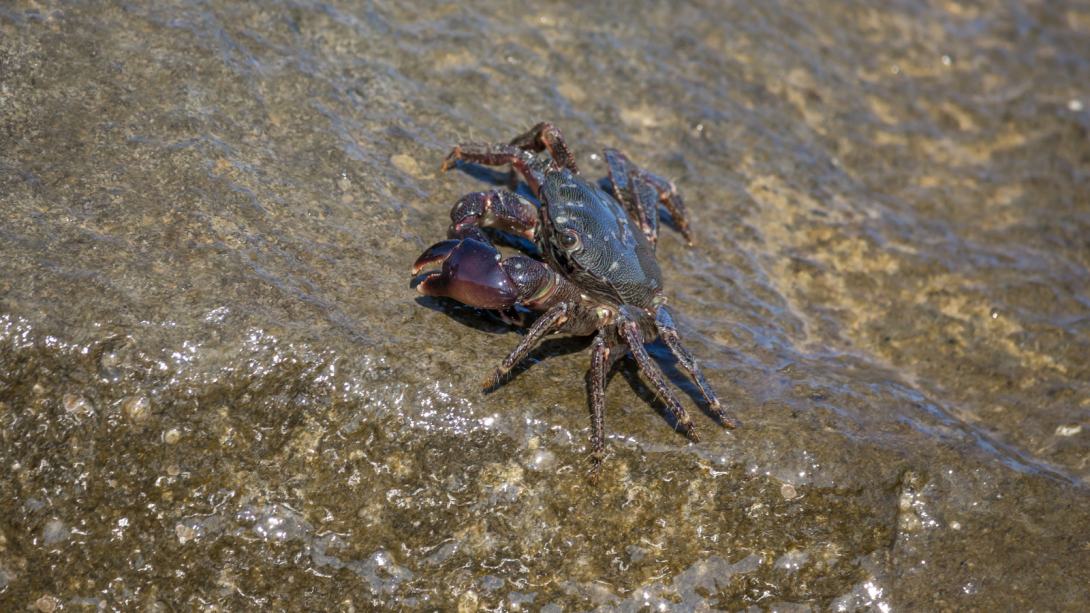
point(209, 218)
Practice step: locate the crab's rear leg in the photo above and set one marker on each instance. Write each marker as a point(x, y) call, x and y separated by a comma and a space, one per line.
point(630, 332)
point(664, 321)
point(641, 191)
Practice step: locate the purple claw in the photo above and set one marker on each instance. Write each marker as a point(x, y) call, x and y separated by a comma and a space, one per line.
point(434, 254)
point(471, 274)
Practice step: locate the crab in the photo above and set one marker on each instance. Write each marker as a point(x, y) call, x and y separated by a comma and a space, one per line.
point(599, 274)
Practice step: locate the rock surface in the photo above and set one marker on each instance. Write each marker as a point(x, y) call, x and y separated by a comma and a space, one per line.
point(219, 391)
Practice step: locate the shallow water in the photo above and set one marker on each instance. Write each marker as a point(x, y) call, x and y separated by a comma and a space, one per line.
point(219, 391)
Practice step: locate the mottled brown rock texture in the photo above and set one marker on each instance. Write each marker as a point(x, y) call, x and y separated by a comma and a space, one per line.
point(220, 392)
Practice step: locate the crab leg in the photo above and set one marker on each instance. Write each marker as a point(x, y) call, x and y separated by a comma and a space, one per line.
point(473, 272)
point(602, 356)
point(664, 320)
point(640, 191)
point(498, 154)
point(671, 199)
point(562, 317)
point(544, 325)
point(496, 209)
point(599, 368)
point(631, 333)
point(642, 207)
point(547, 136)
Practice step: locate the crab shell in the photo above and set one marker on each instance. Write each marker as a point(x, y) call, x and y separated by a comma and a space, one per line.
point(610, 261)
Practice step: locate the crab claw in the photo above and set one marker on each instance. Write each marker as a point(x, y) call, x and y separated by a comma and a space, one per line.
point(434, 255)
point(471, 274)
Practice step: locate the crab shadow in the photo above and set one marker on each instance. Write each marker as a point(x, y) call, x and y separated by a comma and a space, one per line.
point(478, 319)
point(497, 178)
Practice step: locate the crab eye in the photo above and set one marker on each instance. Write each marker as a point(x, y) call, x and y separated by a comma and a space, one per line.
point(569, 239)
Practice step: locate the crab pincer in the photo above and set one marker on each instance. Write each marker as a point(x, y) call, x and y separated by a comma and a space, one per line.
point(472, 273)
point(473, 270)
